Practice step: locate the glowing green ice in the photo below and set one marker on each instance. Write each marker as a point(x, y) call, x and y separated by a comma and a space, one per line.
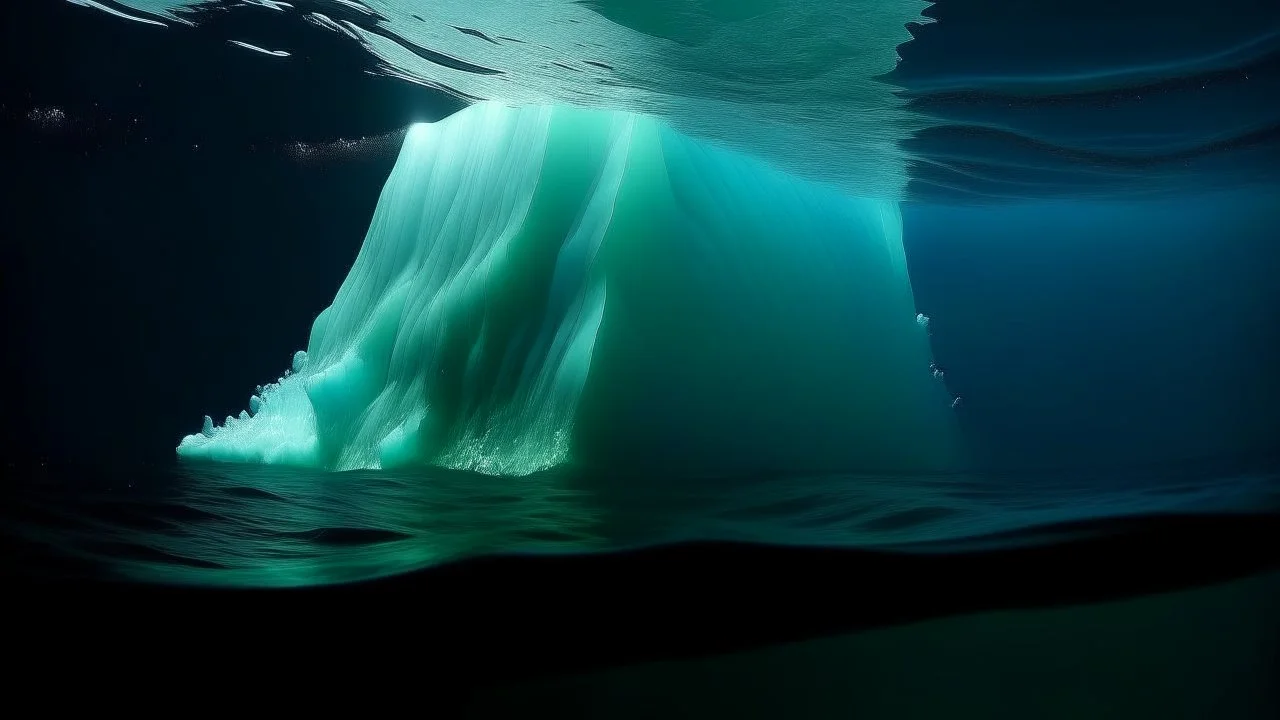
point(547, 284)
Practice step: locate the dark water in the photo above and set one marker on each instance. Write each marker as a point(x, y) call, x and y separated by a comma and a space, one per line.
point(1091, 225)
point(589, 595)
point(257, 526)
point(1093, 99)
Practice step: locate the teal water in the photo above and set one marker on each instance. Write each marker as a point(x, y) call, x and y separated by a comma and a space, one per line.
point(264, 526)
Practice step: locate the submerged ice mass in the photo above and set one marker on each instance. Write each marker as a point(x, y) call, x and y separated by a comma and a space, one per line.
point(548, 284)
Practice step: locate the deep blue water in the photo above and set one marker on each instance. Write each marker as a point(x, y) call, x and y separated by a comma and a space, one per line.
point(1091, 224)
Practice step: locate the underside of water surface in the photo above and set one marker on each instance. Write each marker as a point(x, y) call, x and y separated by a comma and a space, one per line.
point(951, 100)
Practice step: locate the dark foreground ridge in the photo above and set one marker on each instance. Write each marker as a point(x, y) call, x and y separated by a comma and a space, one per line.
point(511, 618)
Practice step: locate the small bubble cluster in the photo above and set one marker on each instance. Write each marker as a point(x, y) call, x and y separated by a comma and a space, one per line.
point(938, 374)
point(49, 118)
point(98, 127)
point(346, 149)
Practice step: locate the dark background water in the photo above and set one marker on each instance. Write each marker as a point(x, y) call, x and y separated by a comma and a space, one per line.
point(179, 209)
point(1092, 98)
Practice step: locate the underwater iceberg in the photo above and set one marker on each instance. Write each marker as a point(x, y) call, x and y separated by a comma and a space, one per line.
point(547, 284)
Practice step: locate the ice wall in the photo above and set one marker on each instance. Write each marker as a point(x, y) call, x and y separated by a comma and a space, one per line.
point(549, 284)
